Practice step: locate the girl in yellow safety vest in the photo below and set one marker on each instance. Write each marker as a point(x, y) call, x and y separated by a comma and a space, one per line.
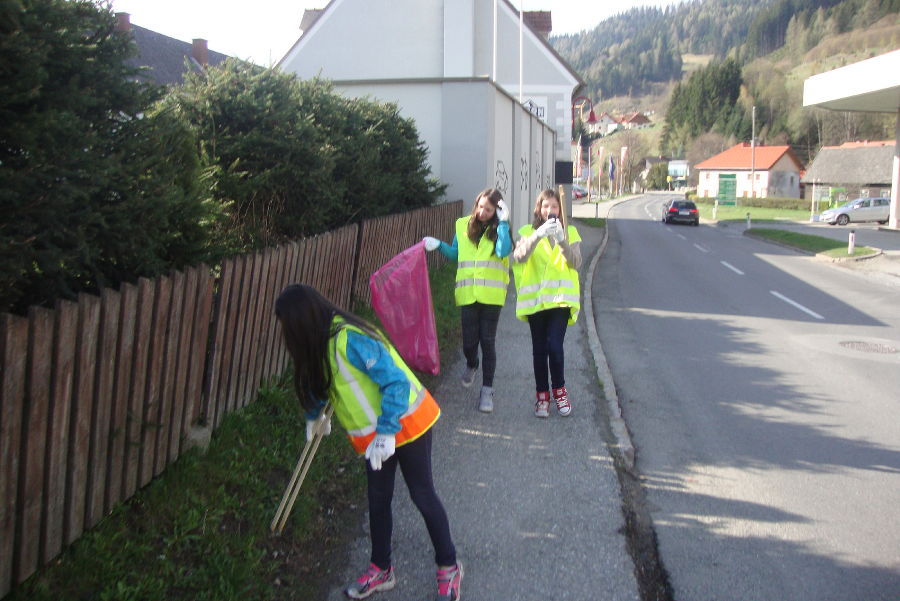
point(387, 414)
point(480, 247)
point(547, 257)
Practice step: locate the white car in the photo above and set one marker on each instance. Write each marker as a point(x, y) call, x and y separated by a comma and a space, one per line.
point(861, 209)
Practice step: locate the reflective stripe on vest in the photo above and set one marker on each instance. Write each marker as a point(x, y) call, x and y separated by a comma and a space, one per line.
point(357, 399)
point(481, 276)
point(545, 280)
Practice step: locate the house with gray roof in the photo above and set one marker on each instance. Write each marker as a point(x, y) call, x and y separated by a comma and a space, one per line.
point(851, 170)
point(164, 57)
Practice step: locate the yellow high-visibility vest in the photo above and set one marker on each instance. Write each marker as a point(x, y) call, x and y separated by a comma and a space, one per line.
point(546, 280)
point(357, 400)
point(481, 276)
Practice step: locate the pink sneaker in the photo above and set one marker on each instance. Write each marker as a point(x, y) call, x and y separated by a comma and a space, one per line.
point(561, 396)
point(448, 581)
point(375, 579)
point(542, 406)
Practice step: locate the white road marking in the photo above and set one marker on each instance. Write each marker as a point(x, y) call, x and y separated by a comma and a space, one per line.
point(796, 304)
point(732, 267)
point(700, 248)
point(680, 236)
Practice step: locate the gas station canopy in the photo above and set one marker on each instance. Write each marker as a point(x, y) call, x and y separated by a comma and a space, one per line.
point(872, 85)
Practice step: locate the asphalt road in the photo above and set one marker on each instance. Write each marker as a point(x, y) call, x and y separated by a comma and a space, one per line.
point(760, 387)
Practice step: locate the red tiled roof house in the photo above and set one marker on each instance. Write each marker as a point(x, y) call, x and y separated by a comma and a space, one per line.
point(761, 172)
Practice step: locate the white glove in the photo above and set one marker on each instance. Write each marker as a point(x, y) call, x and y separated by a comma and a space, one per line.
point(502, 211)
point(431, 243)
point(322, 423)
point(560, 233)
point(547, 229)
point(380, 450)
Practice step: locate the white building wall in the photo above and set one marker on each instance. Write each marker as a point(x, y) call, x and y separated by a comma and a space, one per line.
point(372, 39)
point(434, 58)
point(423, 102)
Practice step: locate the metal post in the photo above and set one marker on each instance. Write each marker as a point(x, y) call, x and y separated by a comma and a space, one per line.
point(851, 244)
point(748, 221)
point(812, 204)
point(753, 156)
point(715, 209)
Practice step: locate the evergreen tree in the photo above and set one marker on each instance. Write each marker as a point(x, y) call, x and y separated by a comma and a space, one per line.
point(290, 158)
point(87, 192)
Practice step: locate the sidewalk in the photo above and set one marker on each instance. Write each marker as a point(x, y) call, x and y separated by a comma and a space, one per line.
point(534, 504)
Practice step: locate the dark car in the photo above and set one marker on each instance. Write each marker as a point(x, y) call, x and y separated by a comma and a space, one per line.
point(683, 211)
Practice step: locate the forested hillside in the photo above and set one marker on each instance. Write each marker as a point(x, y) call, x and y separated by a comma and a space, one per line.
point(627, 53)
point(760, 53)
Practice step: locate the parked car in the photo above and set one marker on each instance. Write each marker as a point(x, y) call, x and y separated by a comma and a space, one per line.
point(683, 211)
point(858, 210)
point(578, 191)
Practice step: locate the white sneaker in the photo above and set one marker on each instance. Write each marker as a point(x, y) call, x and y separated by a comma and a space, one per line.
point(469, 376)
point(542, 406)
point(486, 403)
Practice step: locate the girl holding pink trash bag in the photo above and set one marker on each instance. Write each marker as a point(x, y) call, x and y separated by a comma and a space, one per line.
point(480, 247)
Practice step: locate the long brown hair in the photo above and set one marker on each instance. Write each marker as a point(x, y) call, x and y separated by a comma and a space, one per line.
point(547, 194)
point(307, 322)
point(476, 229)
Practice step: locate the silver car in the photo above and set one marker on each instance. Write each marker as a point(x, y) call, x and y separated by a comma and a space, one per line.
point(861, 209)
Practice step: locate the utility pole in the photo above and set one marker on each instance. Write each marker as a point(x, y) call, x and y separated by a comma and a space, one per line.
point(753, 154)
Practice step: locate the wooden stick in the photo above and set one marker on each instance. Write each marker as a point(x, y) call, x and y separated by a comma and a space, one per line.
point(293, 487)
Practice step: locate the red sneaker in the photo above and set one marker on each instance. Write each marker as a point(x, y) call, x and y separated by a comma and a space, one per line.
point(374, 580)
point(561, 396)
point(448, 580)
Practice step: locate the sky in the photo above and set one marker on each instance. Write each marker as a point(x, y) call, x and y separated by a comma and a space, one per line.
point(264, 30)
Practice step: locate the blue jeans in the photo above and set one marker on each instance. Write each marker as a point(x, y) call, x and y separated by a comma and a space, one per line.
point(548, 331)
point(414, 459)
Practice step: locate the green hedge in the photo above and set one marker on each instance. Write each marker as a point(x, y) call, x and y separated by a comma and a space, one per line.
point(105, 178)
point(798, 204)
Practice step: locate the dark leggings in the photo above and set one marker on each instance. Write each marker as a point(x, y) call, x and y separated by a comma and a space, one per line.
point(415, 464)
point(548, 331)
point(479, 326)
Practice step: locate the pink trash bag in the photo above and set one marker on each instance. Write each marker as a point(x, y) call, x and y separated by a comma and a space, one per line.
point(401, 297)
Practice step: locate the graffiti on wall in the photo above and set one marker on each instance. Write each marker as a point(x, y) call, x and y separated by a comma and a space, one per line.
point(501, 178)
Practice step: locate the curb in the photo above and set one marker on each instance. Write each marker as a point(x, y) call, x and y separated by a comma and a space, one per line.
point(819, 256)
point(617, 423)
point(829, 259)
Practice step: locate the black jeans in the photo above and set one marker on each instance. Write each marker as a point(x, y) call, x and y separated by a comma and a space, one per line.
point(479, 326)
point(414, 459)
point(548, 331)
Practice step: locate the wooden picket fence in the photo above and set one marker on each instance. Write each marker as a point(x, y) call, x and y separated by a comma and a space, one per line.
point(98, 396)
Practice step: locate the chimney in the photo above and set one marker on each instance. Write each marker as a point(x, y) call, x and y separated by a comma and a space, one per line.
point(123, 22)
point(200, 52)
point(310, 16)
point(540, 21)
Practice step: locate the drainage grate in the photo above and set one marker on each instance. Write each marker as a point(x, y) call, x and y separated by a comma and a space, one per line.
point(868, 347)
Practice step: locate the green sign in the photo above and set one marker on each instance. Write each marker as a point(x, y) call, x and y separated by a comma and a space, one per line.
point(727, 189)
